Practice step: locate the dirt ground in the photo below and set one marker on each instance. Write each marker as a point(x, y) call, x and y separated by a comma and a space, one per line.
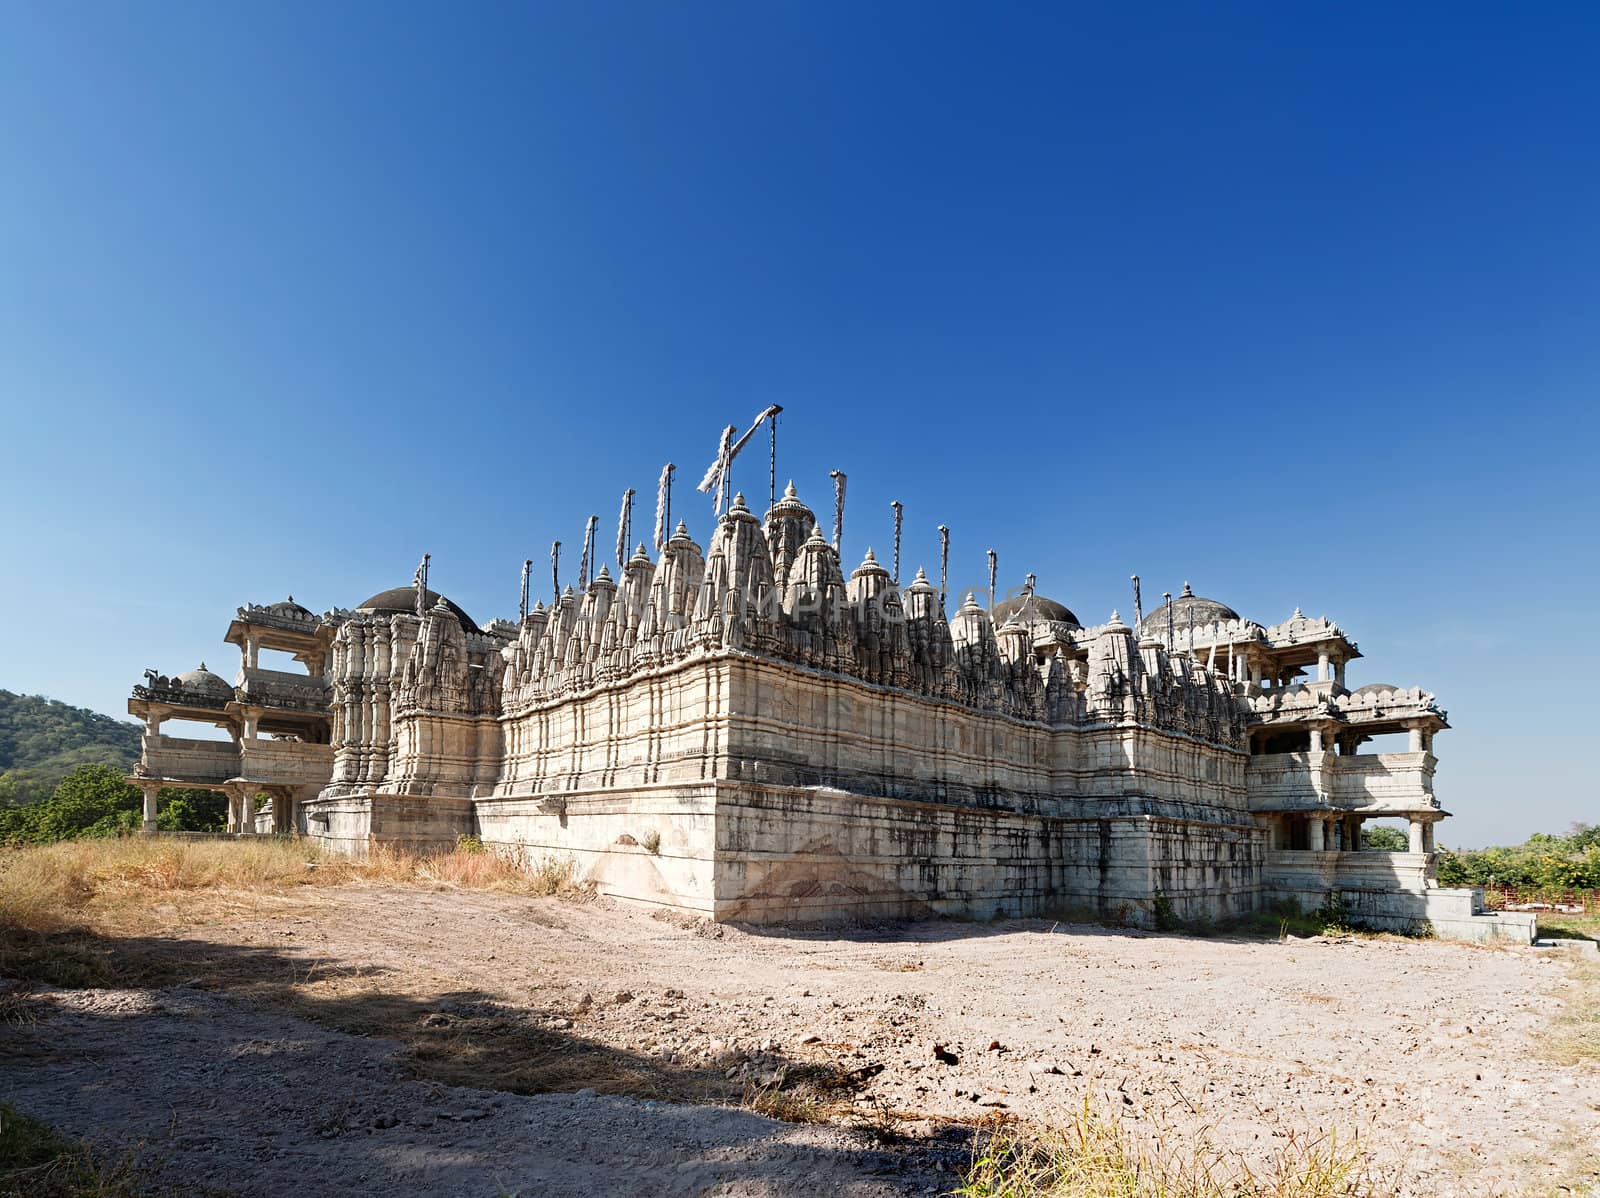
point(593, 1029)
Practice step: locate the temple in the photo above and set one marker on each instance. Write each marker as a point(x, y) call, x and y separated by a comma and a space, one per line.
point(745, 732)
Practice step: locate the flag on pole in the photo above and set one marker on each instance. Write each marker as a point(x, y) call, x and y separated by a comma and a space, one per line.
point(663, 490)
point(715, 481)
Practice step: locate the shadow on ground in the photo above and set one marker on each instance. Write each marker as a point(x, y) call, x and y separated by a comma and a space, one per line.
point(251, 1069)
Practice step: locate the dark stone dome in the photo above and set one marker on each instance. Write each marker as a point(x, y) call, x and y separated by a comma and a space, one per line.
point(204, 681)
point(1206, 611)
point(404, 599)
point(290, 608)
point(1031, 608)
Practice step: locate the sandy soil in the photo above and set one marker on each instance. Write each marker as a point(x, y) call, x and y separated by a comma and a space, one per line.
point(1425, 1051)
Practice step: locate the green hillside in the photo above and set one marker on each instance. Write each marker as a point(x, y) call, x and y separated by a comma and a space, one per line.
point(43, 740)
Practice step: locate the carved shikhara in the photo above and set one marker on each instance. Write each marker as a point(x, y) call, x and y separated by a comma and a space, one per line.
point(796, 745)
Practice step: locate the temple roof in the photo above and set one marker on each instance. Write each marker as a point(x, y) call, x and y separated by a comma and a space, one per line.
point(204, 681)
point(1206, 612)
point(404, 599)
point(1031, 608)
point(288, 607)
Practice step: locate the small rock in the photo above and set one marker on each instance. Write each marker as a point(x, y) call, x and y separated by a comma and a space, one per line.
point(943, 1055)
point(622, 996)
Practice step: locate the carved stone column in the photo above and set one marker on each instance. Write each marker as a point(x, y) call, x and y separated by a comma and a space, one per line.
point(151, 791)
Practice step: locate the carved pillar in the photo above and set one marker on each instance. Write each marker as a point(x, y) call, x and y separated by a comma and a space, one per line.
point(1338, 672)
point(1416, 738)
point(150, 789)
point(1322, 666)
point(1314, 830)
point(1418, 832)
point(244, 809)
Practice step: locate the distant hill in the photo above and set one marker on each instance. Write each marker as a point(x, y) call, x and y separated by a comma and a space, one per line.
point(43, 740)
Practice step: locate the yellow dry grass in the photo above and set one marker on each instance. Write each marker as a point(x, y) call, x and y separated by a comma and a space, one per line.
point(1091, 1154)
point(109, 884)
point(1574, 1037)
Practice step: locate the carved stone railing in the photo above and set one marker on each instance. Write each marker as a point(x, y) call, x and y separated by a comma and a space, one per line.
point(1315, 873)
point(282, 688)
point(261, 616)
point(285, 762)
point(179, 696)
point(1388, 782)
point(1364, 784)
point(187, 760)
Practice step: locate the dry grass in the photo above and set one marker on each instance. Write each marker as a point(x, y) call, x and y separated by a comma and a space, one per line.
point(1574, 1037)
point(105, 885)
point(1092, 1155)
point(37, 1163)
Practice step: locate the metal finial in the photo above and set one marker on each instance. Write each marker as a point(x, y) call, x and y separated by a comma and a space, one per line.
point(1138, 607)
point(420, 581)
point(838, 477)
point(899, 515)
point(944, 564)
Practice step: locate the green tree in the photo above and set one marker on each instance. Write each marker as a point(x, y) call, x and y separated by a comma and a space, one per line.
point(192, 810)
point(1381, 839)
point(93, 800)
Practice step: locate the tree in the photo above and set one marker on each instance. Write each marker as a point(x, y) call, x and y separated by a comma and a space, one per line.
point(93, 800)
point(1381, 839)
point(192, 810)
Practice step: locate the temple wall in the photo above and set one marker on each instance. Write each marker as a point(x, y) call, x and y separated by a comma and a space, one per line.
point(1389, 892)
point(652, 727)
point(793, 727)
point(791, 854)
point(444, 754)
point(351, 825)
point(650, 844)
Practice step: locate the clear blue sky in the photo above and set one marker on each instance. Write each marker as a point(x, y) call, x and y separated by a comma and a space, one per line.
point(1297, 302)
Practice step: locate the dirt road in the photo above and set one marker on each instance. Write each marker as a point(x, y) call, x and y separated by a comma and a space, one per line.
point(1425, 1051)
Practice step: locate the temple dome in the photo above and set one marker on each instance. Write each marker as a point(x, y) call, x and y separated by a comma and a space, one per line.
point(288, 607)
point(1032, 608)
point(1375, 688)
point(205, 682)
point(404, 599)
point(1206, 612)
